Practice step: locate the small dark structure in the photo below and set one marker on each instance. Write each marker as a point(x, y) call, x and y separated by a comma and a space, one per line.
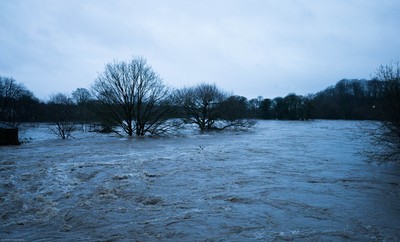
point(8, 135)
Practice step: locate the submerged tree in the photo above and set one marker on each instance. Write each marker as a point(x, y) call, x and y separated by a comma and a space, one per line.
point(387, 135)
point(200, 105)
point(234, 112)
point(133, 97)
point(62, 115)
point(209, 108)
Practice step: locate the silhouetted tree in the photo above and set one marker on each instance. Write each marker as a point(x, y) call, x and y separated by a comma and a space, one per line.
point(234, 112)
point(209, 108)
point(266, 109)
point(278, 108)
point(291, 107)
point(83, 100)
point(200, 104)
point(10, 92)
point(27, 108)
point(387, 135)
point(63, 115)
point(234, 107)
point(81, 96)
point(307, 107)
point(133, 97)
point(254, 110)
point(349, 99)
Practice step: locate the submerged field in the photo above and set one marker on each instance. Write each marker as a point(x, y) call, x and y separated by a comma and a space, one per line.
point(300, 181)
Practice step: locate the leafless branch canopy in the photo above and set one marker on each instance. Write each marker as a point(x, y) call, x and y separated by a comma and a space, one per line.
point(10, 90)
point(386, 137)
point(133, 97)
point(209, 108)
point(63, 123)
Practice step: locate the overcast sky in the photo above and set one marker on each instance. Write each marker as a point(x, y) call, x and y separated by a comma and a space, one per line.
point(249, 47)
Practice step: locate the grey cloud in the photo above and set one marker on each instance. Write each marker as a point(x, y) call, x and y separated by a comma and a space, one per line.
point(252, 48)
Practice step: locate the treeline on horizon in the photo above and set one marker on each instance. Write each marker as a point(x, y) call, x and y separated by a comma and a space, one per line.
point(130, 96)
point(348, 99)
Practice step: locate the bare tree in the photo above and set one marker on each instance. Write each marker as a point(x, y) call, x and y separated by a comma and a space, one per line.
point(386, 135)
point(234, 111)
point(82, 99)
point(133, 97)
point(200, 105)
point(62, 124)
point(81, 96)
point(209, 108)
point(10, 91)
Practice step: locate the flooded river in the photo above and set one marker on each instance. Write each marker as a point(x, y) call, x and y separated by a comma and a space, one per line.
point(282, 181)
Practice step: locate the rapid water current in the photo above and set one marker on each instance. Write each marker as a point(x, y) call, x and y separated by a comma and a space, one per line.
point(281, 181)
